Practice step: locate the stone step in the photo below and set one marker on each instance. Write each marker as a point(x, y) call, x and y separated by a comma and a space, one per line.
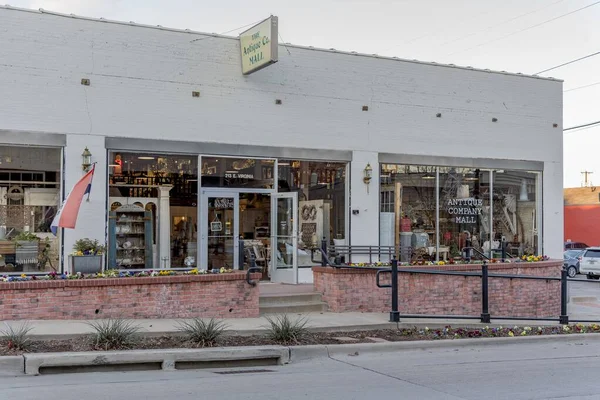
point(279, 299)
point(294, 308)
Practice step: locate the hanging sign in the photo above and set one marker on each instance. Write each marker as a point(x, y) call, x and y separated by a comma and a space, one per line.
point(216, 226)
point(259, 45)
point(465, 211)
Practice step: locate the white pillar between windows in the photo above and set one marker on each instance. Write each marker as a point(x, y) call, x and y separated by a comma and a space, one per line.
point(164, 227)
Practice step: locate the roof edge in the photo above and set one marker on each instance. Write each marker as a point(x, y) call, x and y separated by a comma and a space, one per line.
point(216, 35)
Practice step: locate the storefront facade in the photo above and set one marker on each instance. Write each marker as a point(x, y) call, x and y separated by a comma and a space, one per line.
point(200, 166)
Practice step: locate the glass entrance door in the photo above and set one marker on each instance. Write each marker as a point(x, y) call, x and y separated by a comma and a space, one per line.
point(284, 239)
point(220, 230)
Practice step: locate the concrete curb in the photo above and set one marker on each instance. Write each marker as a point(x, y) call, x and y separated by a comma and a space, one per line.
point(12, 365)
point(302, 353)
point(167, 359)
point(30, 364)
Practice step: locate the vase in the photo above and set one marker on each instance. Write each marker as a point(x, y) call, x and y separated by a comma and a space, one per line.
point(86, 264)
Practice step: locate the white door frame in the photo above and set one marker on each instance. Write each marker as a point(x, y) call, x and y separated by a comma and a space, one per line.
point(211, 193)
point(284, 275)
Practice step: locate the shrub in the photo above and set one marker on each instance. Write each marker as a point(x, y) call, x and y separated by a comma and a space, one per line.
point(16, 338)
point(282, 329)
point(88, 247)
point(114, 334)
point(201, 332)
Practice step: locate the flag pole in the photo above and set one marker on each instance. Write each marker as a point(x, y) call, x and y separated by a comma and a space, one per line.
point(91, 180)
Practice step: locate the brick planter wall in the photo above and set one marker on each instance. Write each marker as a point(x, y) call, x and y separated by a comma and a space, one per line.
point(355, 290)
point(184, 296)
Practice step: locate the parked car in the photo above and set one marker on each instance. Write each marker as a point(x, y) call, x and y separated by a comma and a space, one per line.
point(589, 264)
point(571, 263)
point(575, 245)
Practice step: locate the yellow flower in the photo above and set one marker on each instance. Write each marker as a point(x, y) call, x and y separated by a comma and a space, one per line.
point(23, 276)
point(511, 334)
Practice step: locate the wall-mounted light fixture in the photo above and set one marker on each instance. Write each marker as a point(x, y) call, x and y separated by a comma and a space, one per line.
point(86, 159)
point(367, 175)
point(428, 176)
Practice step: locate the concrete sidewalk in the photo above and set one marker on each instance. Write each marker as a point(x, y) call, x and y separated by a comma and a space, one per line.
point(60, 329)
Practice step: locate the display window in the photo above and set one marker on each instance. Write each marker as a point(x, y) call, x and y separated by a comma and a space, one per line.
point(153, 216)
point(30, 182)
point(438, 211)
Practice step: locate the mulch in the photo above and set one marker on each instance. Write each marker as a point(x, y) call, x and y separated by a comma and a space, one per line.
point(309, 338)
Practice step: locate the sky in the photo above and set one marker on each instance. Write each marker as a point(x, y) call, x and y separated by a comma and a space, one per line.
point(526, 36)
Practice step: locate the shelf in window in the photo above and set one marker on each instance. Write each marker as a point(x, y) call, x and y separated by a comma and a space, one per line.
point(130, 234)
point(129, 221)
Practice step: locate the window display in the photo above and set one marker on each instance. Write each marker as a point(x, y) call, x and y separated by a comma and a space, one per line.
point(437, 211)
point(165, 187)
point(29, 199)
point(321, 188)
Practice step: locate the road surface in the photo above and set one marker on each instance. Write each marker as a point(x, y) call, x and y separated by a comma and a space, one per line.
point(551, 370)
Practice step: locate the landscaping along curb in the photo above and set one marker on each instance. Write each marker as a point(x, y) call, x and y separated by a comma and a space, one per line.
point(228, 357)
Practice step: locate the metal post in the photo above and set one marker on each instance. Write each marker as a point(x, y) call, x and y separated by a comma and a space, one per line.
point(324, 255)
point(394, 314)
point(241, 254)
point(468, 242)
point(564, 318)
point(503, 244)
point(485, 312)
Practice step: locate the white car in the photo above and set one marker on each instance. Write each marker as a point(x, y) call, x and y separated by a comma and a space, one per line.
point(590, 263)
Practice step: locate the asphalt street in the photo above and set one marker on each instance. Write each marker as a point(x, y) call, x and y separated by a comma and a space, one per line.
point(550, 370)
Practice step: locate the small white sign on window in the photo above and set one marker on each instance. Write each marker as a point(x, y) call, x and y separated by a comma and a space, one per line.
point(216, 226)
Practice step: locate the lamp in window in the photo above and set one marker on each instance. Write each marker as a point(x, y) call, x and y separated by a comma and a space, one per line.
point(471, 176)
point(86, 159)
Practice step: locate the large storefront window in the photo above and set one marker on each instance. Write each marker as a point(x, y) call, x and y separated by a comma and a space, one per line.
point(516, 216)
point(464, 210)
point(153, 219)
point(437, 211)
point(29, 199)
point(321, 188)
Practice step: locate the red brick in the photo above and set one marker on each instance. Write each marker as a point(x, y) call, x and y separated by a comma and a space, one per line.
point(355, 290)
point(164, 297)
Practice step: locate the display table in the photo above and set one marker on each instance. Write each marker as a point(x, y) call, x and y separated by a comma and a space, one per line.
point(444, 252)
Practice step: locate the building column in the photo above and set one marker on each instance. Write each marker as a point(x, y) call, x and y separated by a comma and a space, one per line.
point(92, 217)
point(364, 200)
point(164, 227)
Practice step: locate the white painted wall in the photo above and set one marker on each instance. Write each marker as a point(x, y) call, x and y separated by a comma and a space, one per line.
point(91, 222)
point(142, 79)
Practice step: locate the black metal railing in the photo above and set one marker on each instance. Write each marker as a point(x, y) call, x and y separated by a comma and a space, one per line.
point(485, 276)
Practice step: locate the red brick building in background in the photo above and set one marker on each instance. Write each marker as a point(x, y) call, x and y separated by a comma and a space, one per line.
point(582, 215)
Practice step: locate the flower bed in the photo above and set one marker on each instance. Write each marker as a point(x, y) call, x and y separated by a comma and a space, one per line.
point(451, 261)
point(152, 294)
point(114, 273)
point(310, 338)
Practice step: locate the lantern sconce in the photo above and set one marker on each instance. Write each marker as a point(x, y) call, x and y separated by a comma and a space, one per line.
point(86, 158)
point(368, 174)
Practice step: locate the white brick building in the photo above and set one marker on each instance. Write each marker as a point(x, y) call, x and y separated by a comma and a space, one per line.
point(479, 133)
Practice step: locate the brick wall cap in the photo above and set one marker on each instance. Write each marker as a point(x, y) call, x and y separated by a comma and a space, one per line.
point(154, 280)
point(453, 267)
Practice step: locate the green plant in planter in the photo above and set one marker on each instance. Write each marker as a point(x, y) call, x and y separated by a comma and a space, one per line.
point(88, 247)
point(26, 237)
